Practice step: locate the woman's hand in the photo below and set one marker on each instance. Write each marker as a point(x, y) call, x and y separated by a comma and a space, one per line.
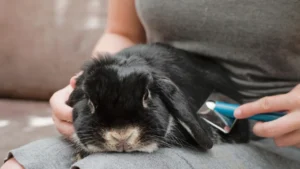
point(123, 30)
point(285, 130)
point(61, 112)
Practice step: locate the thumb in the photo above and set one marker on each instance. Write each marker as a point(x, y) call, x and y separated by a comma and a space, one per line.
point(73, 79)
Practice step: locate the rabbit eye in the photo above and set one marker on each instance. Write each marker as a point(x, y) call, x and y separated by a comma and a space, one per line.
point(91, 106)
point(146, 97)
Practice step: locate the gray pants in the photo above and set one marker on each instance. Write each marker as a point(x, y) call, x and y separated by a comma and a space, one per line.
point(54, 153)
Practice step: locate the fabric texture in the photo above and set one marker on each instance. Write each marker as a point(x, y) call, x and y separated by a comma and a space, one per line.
point(54, 153)
point(258, 42)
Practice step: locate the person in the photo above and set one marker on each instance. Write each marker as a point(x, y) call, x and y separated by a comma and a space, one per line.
point(258, 42)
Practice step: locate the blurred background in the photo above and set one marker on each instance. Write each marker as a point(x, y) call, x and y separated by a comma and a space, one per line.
point(42, 44)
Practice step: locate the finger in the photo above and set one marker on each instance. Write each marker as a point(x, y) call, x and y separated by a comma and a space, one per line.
point(290, 139)
point(60, 109)
point(65, 128)
point(265, 105)
point(278, 127)
point(296, 89)
point(73, 79)
point(64, 115)
point(69, 90)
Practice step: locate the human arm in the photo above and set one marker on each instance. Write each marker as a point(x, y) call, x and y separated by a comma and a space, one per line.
point(286, 130)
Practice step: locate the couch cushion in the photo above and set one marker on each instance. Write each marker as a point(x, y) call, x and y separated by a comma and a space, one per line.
point(22, 122)
point(43, 43)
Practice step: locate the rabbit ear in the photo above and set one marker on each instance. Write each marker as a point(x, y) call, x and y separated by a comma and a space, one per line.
point(177, 105)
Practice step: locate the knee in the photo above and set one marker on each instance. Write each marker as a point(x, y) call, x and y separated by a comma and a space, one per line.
point(12, 164)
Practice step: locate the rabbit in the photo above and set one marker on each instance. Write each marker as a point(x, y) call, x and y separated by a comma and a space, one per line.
point(146, 97)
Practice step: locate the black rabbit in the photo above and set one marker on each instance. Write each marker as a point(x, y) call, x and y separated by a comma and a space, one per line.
point(146, 97)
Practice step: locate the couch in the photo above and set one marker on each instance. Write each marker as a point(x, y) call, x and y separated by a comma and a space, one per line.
point(43, 43)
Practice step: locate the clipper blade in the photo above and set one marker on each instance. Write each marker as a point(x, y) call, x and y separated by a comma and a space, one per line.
point(217, 120)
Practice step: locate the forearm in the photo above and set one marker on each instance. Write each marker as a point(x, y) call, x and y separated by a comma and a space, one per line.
point(123, 28)
point(112, 43)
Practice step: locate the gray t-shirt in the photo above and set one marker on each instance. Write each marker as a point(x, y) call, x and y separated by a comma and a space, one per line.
point(258, 42)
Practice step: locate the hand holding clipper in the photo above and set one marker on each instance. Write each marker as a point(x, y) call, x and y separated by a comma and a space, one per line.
point(285, 130)
point(228, 109)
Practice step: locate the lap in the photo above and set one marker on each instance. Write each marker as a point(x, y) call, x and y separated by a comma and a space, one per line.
point(49, 153)
point(55, 153)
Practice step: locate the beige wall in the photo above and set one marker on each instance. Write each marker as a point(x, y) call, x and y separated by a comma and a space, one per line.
point(44, 42)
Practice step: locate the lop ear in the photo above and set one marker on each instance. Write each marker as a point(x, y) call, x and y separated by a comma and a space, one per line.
point(177, 105)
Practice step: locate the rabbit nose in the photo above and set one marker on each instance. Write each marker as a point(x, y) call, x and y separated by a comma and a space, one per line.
point(122, 145)
point(123, 139)
point(121, 136)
